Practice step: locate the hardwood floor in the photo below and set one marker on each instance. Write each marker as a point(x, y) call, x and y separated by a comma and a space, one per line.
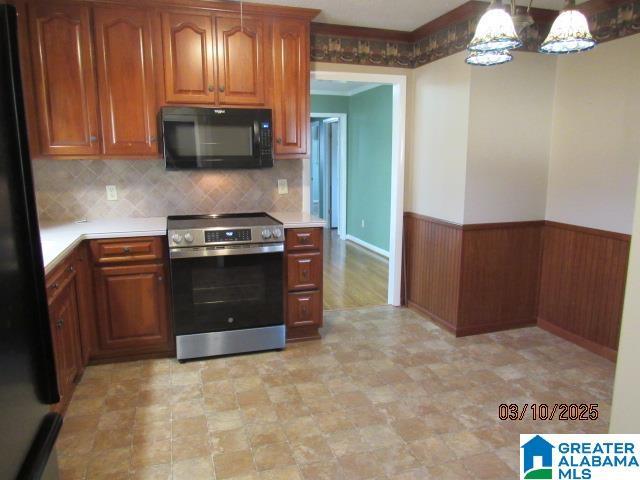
point(353, 276)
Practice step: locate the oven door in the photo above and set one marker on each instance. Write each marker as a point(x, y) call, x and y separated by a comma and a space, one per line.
point(222, 291)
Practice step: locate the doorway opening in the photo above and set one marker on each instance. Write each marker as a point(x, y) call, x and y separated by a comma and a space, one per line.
point(350, 184)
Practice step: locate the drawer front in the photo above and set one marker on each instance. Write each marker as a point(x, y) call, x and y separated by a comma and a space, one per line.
point(120, 250)
point(304, 271)
point(300, 239)
point(61, 275)
point(304, 309)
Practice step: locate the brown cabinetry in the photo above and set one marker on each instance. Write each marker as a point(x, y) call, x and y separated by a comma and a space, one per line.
point(96, 73)
point(61, 285)
point(125, 81)
point(187, 45)
point(240, 60)
point(131, 298)
point(131, 308)
point(291, 86)
point(65, 89)
point(303, 260)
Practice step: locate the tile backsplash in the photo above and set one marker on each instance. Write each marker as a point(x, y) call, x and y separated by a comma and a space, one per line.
point(75, 189)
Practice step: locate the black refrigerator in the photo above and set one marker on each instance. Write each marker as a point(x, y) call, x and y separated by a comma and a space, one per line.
point(28, 429)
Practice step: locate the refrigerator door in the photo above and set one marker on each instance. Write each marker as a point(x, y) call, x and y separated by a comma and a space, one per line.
point(27, 368)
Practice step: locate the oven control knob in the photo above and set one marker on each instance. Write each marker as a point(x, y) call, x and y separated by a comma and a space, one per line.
point(266, 233)
point(188, 237)
point(276, 233)
point(176, 237)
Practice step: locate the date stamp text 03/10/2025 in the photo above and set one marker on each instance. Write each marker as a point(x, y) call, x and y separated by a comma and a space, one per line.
point(549, 412)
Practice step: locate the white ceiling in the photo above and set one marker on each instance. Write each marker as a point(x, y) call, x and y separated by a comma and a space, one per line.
point(391, 14)
point(332, 87)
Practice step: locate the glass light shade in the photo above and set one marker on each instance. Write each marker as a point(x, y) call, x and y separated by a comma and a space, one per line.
point(486, 59)
point(569, 34)
point(495, 31)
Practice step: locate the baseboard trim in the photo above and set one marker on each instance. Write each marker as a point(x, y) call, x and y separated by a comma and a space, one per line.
point(368, 246)
point(593, 347)
point(448, 326)
point(494, 327)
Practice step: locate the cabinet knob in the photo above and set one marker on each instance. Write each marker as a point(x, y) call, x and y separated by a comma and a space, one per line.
point(72, 269)
point(126, 250)
point(210, 88)
point(93, 138)
point(60, 323)
point(160, 278)
point(55, 285)
point(222, 88)
point(152, 138)
point(279, 140)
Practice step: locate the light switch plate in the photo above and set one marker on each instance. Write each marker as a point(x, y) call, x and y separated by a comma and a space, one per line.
point(112, 192)
point(283, 187)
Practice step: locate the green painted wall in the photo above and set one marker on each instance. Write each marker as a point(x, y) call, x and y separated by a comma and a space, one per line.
point(329, 104)
point(369, 124)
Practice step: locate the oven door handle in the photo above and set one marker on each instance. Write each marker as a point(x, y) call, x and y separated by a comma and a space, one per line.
point(197, 252)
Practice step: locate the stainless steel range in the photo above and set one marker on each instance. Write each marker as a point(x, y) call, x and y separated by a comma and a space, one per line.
point(226, 280)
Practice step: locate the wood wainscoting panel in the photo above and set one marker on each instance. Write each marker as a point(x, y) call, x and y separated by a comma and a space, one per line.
point(500, 272)
point(582, 285)
point(433, 252)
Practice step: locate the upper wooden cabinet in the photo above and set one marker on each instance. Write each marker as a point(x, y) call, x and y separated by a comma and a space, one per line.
point(96, 73)
point(187, 43)
point(125, 81)
point(240, 60)
point(66, 112)
point(291, 86)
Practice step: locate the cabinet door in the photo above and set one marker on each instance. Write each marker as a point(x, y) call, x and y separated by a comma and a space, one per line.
point(125, 81)
point(64, 79)
point(240, 60)
point(132, 308)
point(63, 315)
point(291, 86)
point(187, 42)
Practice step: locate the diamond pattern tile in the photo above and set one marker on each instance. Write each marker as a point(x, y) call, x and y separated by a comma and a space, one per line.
point(74, 189)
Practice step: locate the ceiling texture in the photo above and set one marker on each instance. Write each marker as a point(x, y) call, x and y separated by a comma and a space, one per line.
point(404, 15)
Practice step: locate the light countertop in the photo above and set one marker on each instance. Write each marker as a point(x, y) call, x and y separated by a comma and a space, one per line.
point(59, 239)
point(298, 219)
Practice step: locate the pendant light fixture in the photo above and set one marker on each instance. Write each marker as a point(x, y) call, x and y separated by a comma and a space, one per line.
point(495, 31)
point(487, 59)
point(569, 32)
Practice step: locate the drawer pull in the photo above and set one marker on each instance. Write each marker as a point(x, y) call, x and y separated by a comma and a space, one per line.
point(126, 250)
point(55, 285)
point(60, 323)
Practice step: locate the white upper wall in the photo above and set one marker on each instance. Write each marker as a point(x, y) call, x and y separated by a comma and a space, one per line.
point(509, 140)
point(595, 143)
point(435, 174)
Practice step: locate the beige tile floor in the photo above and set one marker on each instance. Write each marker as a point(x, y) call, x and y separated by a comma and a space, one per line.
point(385, 395)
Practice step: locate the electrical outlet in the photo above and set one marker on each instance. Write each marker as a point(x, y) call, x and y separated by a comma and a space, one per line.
point(112, 192)
point(283, 187)
point(362, 223)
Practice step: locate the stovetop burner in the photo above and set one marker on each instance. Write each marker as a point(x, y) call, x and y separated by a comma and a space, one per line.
point(227, 220)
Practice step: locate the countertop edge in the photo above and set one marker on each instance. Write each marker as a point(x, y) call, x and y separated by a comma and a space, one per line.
point(55, 261)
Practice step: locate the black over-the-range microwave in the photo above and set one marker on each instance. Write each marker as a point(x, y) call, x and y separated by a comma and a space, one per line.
point(199, 137)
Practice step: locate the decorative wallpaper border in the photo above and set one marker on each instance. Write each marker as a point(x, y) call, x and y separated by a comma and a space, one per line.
point(617, 21)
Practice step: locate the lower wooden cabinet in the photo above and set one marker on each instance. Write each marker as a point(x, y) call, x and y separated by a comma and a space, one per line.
point(65, 328)
point(131, 307)
point(303, 285)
